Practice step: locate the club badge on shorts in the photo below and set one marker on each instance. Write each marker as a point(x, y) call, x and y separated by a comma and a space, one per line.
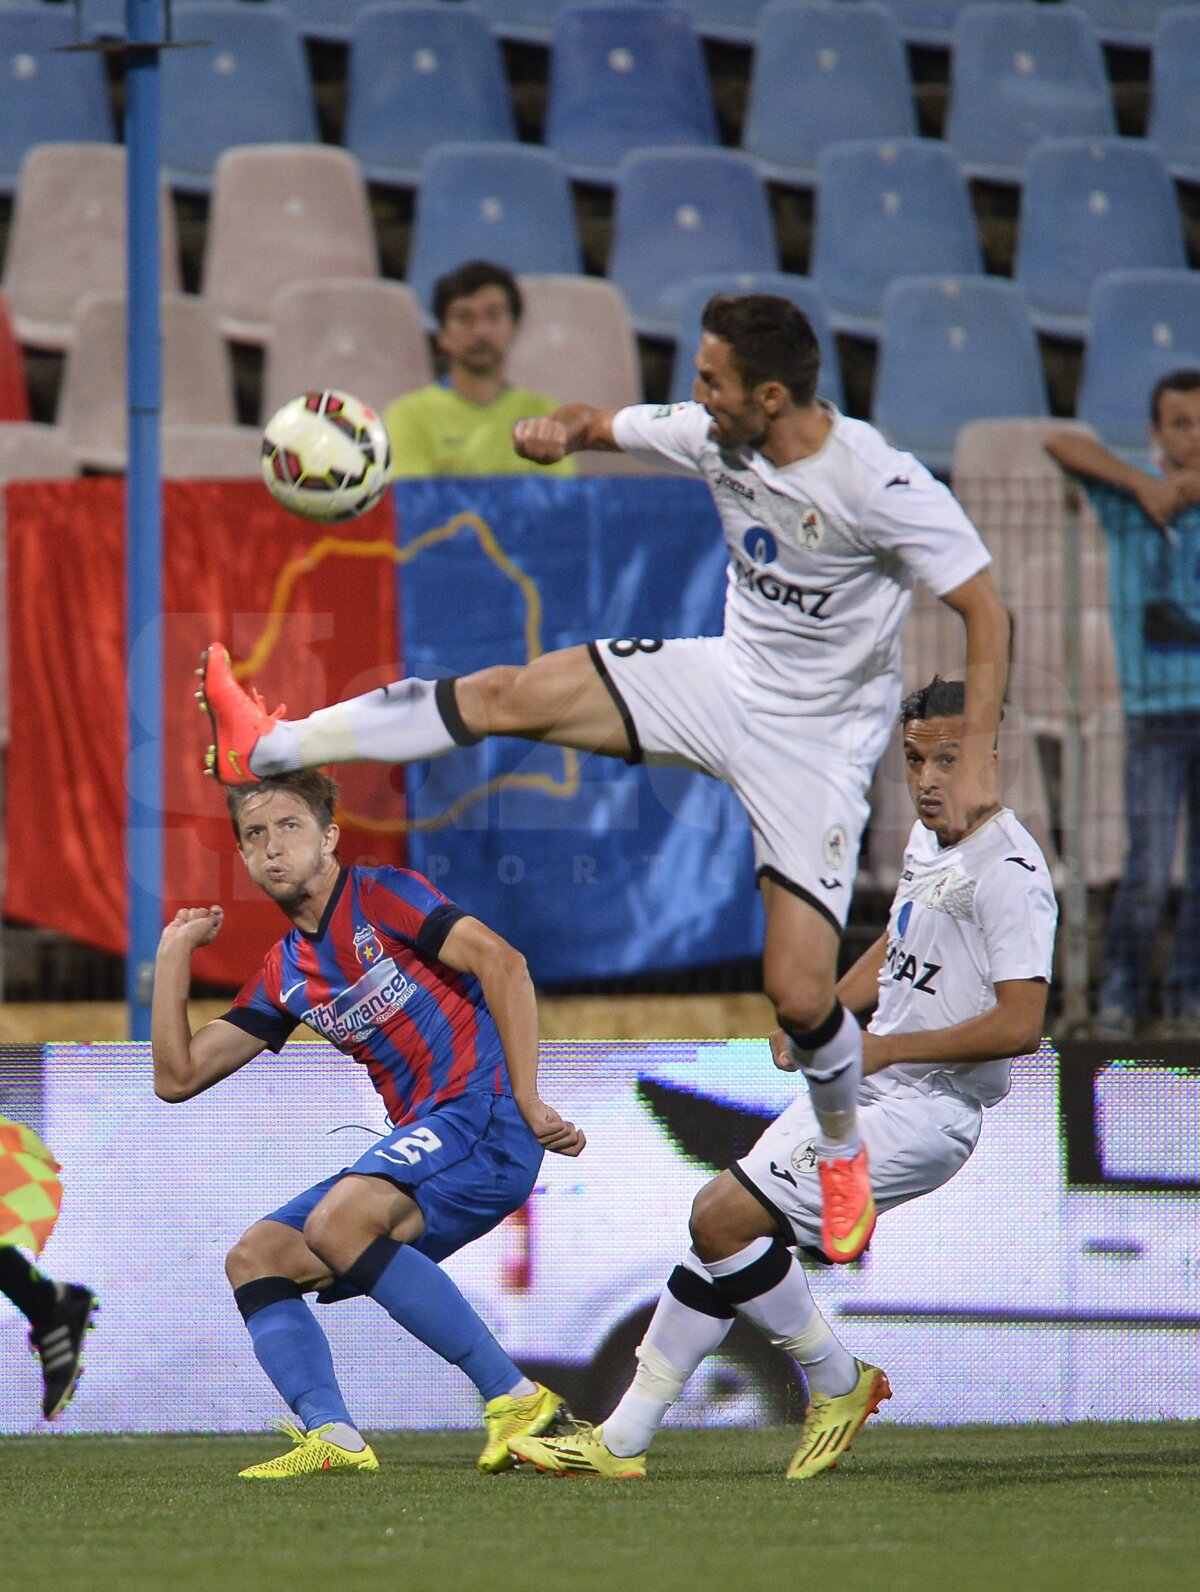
point(834, 846)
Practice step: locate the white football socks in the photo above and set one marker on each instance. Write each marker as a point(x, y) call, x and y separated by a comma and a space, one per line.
point(345, 1437)
point(834, 1075)
point(399, 723)
point(789, 1317)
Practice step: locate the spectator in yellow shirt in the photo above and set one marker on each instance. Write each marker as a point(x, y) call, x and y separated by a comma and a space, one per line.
point(462, 423)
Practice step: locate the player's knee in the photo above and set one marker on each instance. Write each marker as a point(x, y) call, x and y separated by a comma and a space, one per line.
point(491, 702)
point(244, 1262)
point(799, 1008)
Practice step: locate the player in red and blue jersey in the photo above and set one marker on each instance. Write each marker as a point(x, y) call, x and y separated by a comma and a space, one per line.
point(441, 1012)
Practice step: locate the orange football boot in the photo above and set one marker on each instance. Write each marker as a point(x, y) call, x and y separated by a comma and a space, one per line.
point(847, 1207)
point(239, 718)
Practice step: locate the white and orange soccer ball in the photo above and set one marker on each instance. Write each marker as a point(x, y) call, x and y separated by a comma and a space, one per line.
point(325, 456)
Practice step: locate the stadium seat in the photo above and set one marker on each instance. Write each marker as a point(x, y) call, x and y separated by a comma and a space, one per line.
point(32, 452)
point(930, 23)
point(364, 337)
point(329, 20)
point(576, 342)
point(1141, 324)
point(1174, 123)
point(102, 19)
point(14, 389)
point(953, 349)
point(248, 85)
point(801, 290)
point(680, 213)
point(727, 21)
point(1020, 74)
point(522, 21)
point(821, 74)
point(282, 213)
point(624, 77)
point(196, 369)
point(505, 202)
point(1090, 206)
point(49, 96)
point(419, 76)
point(887, 210)
point(67, 238)
point(198, 452)
point(1129, 24)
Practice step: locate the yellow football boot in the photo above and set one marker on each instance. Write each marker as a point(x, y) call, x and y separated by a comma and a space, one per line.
point(310, 1455)
point(830, 1424)
point(581, 1452)
point(505, 1418)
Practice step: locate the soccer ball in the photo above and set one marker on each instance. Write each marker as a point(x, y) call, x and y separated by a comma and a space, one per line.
point(325, 456)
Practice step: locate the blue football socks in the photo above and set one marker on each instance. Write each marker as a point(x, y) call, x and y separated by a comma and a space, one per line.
point(293, 1350)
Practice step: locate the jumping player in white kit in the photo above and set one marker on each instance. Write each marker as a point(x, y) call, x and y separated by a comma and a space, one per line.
point(827, 529)
point(958, 984)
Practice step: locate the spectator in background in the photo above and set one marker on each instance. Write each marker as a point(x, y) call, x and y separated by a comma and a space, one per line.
point(462, 423)
point(1151, 520)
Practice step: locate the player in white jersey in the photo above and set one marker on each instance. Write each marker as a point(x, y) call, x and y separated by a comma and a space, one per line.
point(958, 983)
point(827, 528)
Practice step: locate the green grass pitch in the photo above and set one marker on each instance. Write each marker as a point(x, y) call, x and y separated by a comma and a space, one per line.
point(1084, 1507)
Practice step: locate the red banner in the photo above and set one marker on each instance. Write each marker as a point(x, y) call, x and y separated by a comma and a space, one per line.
point(310, 610)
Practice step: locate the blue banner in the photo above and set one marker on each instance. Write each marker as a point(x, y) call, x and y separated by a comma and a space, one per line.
point(594, 869)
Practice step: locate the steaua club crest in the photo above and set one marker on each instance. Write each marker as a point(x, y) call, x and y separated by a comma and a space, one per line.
point(367, 945)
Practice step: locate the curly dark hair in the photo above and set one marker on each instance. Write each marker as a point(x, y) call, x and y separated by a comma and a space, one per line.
point(769, 340)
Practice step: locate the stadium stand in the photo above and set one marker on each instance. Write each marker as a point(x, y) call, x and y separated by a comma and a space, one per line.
point(1090, 206)
point(331, 21)
point(953, 349)
point(67, 238)
point(1127, 23)
point(576, 341)
point(522, 21)
point(1174, 122)
point(419, 76)
point(33, 452)
point(504, 202)
point(249, 85)
point(884, 211)
point(801, 290)
point(282, 213)
point(365, 337)
point(726, 21)
point(679, 213)
point(623, 77)
point(1020, 74)
point(1141, 324)
point(823, 74)
point(14, 388)
point(197, 375)
point(49, 97)
point(930, 23)
point(200, 452)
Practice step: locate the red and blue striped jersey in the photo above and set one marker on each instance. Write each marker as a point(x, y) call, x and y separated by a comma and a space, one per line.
point(370, 981)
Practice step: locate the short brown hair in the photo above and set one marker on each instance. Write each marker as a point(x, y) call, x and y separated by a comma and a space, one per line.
point(467, 280)
point(1173, 381)
point(769, 339)
point(313, 786)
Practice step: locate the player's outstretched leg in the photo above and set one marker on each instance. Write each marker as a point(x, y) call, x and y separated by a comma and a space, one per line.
point(831, 1424)
point(581, 1451)
point(507, 1419)
point(399, 723)
point(58, 1343)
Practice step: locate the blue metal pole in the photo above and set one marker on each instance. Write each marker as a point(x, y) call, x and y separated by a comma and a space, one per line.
point(143, 511)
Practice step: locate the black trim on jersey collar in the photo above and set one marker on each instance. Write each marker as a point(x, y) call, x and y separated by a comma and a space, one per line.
point(335, 895)
point(631, 734)
point(774, 875)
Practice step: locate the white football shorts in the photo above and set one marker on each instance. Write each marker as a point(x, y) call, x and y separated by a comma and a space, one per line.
point(916, 1140)
point(807, 807)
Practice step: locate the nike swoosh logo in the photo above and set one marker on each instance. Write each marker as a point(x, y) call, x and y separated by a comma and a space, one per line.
point(235, 764)
point(290, 992)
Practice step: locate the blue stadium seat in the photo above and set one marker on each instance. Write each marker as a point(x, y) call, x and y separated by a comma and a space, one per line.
point(1141, 324)
point(1090, 206)
point(505, 202)
point(886, 210)
point(801, 290)
point(1175, 92)
point(679, 213)
point(330, 20)
point(1127, 23)
point(249, 85)
point(623, 77)
point(823, 73)
point(954, 349)
point(419, 76)
point(523, 21)
point(930, 22)
point(730, 21)
point(1020, 74)
point(48, 97)
point(103, 19)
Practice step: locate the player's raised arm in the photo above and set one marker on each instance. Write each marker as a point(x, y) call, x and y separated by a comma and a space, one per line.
point(185, 1064)
point(571, 428)
point(1012, 1027)
point(989, 646)
point(471, 947)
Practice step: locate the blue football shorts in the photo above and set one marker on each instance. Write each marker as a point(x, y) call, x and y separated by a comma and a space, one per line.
point(467, 1165)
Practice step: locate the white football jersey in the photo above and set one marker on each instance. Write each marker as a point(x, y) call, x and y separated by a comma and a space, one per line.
point(822, 558)
point(964, 918)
